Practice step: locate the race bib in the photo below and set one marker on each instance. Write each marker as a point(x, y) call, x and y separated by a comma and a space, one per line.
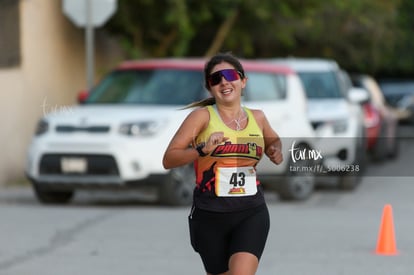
point(235, 181)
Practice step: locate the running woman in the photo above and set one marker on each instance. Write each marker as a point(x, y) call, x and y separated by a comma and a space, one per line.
point(229, 221)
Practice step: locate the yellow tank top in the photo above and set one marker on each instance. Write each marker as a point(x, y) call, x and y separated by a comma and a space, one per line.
point(243, 148)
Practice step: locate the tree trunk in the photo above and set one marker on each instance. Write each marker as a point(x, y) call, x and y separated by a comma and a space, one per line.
point(222, 33)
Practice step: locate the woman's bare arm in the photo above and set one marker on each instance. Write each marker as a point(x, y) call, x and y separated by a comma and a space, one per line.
point(179, 152)
point(273, 144)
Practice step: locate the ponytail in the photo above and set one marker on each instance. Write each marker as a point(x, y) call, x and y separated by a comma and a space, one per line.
point(202, 103)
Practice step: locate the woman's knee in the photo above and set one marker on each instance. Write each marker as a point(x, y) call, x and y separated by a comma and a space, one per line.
point(243, 263)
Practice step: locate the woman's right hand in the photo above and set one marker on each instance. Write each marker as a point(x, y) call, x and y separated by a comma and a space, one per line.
point(214, 140)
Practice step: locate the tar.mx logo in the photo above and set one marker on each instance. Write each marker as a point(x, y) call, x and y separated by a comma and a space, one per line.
point(47, 109)
point(300, 153)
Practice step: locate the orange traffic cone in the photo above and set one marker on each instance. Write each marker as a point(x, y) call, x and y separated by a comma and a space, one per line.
point(386, 244)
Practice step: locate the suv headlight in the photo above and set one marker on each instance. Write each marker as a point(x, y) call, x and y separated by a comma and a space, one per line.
point(41, 127)
point(143, 128)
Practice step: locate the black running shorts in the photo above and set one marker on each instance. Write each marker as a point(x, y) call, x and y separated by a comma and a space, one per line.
point(216, 236)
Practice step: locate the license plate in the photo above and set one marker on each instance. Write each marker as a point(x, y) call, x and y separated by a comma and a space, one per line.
point(73, 165)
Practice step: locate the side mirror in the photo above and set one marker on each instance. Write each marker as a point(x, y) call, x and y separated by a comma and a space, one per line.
point(82, 96)
point(358, 95)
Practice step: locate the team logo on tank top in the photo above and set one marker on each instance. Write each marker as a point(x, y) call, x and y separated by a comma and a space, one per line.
point(246, 150)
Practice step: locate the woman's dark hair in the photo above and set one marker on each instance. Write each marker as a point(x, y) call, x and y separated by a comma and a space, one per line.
point(220, 58)
point(208, 67)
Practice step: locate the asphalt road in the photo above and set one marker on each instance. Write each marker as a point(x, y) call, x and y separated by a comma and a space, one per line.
point(332, 233)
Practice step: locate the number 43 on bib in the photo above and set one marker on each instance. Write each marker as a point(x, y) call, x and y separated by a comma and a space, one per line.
point(235, 181)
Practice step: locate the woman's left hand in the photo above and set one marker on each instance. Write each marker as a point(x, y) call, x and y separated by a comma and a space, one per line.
point(275, 154)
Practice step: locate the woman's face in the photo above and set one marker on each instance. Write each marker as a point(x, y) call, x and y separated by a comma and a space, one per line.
point(227, 91)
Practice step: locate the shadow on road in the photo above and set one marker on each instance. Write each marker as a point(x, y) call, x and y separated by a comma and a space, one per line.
point(83, 198)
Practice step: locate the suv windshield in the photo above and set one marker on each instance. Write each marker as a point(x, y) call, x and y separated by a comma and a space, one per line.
point(149, 86)
point(320, 84)
point(263, 86)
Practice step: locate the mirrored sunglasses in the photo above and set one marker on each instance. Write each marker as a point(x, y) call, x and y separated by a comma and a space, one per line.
point(228, 74)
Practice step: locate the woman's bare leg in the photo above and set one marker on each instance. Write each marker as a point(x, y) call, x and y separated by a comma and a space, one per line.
point(243, 263)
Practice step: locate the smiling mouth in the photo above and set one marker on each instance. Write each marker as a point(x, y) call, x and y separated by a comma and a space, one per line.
point(227, 91)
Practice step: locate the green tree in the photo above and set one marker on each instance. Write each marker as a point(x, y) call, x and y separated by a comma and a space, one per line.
point(400, 60)
point(362, 35)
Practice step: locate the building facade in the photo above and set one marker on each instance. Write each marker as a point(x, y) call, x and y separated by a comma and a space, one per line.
point(42, 68)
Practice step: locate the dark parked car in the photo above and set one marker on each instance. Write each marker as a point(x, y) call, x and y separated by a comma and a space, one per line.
point(400, 95)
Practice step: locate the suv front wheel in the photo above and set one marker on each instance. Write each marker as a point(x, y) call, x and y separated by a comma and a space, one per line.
point(44, 195)
point(299, 181)
point(177, 187)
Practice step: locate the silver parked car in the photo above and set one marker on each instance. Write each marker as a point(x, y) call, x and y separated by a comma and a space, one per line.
point(334, 109)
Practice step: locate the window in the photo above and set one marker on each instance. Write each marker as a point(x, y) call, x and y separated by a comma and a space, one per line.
point(264, 87)
point(146, 86)
point(9, 33)
point(320, 84)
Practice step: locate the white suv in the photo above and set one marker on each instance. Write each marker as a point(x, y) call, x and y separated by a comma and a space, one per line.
point(334, 109)
point(117, 137)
